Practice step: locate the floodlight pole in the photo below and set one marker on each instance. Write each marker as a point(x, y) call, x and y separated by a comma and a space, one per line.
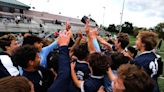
point(121, 16)
point(103, 15)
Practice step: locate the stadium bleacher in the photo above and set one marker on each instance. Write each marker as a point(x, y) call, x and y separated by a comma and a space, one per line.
point(31, 20)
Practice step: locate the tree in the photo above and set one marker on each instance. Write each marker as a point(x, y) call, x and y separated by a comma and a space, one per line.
point(159, 28)
point(112, 28)
point(127, 27)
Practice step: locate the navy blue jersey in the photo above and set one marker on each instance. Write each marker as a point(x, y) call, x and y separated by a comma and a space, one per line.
point(82, 70)
point(63, 79)
point(148, 61)
point(41, 78)
point(92, 84)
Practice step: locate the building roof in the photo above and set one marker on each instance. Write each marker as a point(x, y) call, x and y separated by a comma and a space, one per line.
point(15, 2)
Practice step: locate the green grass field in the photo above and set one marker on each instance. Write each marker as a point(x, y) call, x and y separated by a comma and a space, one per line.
point(160, 52)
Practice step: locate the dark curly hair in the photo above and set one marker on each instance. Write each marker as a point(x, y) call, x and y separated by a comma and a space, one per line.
point(22, 55)
point(99, 63)
point(117, 60)
point(81, 52)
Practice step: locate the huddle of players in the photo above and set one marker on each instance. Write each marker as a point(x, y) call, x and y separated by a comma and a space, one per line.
point(84, 67)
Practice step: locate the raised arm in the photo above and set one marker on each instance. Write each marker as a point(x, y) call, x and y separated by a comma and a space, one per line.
point(46, 50)
point(102, 41)
point(77, 82)
point(63, 78)
point(78, 39)
point(117, 83)
point(93, 45)
point(96, 44)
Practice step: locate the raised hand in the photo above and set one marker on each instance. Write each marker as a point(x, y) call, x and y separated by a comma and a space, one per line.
point(64, 38)
point(68, 26)
point(127, 55)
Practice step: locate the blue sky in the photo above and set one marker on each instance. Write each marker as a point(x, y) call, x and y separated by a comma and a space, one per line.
point(142, 13)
